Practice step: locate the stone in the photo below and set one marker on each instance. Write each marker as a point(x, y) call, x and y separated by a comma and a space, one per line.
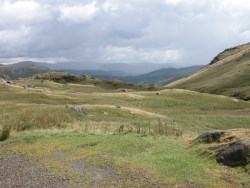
point(210, 137)
point(235, 155)
point(79, 109)
point(229, 147)
point(125, 90)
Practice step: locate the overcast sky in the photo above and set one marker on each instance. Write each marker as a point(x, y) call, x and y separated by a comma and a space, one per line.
point(183, 32)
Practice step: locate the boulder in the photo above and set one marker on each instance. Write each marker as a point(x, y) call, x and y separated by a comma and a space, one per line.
point(235, 155)
point(79, 109)
point(210, 137)
point(125, 90)
point(230, 147)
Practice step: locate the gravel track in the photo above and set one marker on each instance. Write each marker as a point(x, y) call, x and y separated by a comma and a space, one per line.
point(18, 171)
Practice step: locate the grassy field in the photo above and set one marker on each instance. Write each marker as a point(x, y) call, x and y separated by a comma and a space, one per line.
point(132, 139)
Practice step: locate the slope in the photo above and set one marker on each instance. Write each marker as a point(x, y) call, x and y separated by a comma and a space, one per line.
point(227, 74)
point(12, 72)
point(162, 76)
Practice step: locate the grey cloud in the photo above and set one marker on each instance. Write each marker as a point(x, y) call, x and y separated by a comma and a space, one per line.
point(114, 31)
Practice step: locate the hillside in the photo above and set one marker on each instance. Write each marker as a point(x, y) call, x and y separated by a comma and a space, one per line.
point(227, 74)
point(65, 78)
point(159, 77)
point(13, 72)
point(98, 73)
point(162, 76)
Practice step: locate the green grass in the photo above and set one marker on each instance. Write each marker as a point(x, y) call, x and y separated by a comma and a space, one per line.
point(164, 158)
point(140, 133)
point(189, 111)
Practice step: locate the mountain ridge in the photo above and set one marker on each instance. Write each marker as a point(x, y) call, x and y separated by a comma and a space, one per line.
point(128, 69)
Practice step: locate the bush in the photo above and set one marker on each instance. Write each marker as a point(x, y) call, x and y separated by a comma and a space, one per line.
point(5, 133)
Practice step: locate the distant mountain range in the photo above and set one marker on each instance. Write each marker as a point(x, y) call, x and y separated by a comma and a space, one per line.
point(227, 74)
point(159, 77)
point(125, 69)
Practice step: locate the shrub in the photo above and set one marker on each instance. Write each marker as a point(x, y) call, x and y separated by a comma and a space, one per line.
point(5, 134)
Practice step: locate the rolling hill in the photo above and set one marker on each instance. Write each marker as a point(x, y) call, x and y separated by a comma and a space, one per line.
point(162, 76)
point(131, 69)
point(159, 77)
point(67, 78)
point(227, 74)
point(14, 72)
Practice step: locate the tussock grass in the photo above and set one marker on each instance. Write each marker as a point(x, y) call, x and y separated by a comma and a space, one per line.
point(37, 117)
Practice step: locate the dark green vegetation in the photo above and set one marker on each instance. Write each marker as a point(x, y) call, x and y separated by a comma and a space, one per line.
point(13, 72)
point(228, 74)
point(127, 139)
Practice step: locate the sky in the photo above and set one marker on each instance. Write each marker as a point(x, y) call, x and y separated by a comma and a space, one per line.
point(181, 32)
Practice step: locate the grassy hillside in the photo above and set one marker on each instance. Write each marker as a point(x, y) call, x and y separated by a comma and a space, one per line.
point(13, 72)
point(163, 76)
point(228, 74)
point(133, 139)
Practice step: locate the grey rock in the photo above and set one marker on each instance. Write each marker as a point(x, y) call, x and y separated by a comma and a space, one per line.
point(234, 155)
point(79, 109)
point(210, 137)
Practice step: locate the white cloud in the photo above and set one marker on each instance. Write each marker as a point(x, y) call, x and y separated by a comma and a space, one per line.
point(78, 13)
point(110, 6)
point(21, 11)
point(129, 54)
point(13, 36)
point(246, 35)
point(157, 31)
point(14, 41)
point(173, 2)
point(27, 58)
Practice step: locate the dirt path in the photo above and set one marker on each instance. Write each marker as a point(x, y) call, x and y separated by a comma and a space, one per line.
point(18, 171)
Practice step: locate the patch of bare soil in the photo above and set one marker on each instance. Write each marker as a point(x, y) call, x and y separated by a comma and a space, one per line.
point(18, 171)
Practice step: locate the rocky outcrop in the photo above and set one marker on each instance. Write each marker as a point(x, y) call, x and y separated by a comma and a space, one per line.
point(230, 147)
point(210, 137)
point(234, 155)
